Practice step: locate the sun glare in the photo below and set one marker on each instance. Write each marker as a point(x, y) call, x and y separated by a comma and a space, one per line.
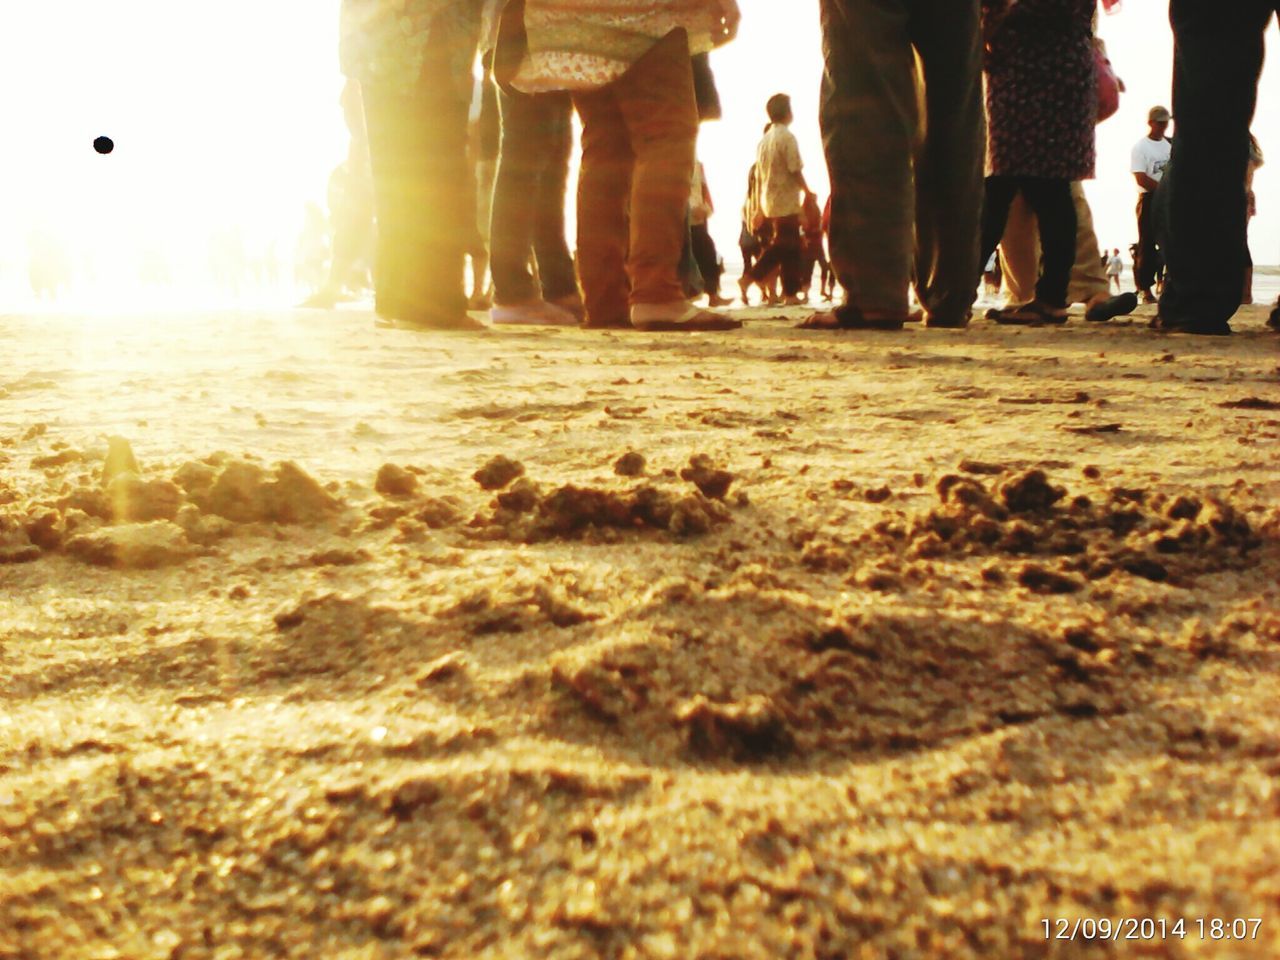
point(225, 125)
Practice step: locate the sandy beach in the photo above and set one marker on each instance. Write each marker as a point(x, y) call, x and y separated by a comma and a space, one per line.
point(324, 641)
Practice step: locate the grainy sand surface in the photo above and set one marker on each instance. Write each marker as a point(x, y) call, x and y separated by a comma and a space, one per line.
point(887, 646)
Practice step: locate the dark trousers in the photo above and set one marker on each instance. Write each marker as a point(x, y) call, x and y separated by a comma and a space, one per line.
point(529, 199)
point(1148, 266)
point(899, 212)
point(418, 158)
point(783, 253)
point(1055, 210)
point(707, 257)
point(1218, 50)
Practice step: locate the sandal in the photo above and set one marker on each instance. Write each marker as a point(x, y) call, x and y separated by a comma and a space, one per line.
point(700, 321)
point(1034, 314)
point(851, 318)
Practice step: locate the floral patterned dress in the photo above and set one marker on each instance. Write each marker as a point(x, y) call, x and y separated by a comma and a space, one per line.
point(384, 42)
point(1042, 93)
point(586, 44)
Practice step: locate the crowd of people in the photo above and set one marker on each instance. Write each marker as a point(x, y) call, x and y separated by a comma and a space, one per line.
point(952, 130)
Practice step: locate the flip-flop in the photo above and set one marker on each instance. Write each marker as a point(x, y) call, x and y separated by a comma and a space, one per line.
point(1118, 306)
point(853, 320)
point(703, 321)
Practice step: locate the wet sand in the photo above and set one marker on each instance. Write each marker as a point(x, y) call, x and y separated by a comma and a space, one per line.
point(884, 645)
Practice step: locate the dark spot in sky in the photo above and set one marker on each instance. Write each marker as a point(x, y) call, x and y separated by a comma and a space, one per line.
point(103, 145)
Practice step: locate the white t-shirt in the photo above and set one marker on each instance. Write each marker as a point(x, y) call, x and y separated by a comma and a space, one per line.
point(1151, 157)
point(1115, 266)
point(779, 165)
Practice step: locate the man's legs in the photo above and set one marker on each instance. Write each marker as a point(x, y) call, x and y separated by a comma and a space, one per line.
point(657, 104)
point(1217, 60)
point(604, 193)
point(417, 148)
point(1145, 263)
point(783, 254)
point(869, 123)
point(948, 36)
point(1089, 281)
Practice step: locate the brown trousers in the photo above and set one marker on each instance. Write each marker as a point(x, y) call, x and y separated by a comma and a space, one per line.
point(1020, 253)
point(638, 141)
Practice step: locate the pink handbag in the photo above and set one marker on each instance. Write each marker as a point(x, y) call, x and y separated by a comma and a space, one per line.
point(1108, 85)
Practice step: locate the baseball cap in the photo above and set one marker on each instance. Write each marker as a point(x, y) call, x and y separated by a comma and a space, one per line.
point(1159, 115)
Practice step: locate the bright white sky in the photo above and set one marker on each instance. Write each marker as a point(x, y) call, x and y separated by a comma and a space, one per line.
point(227, 113)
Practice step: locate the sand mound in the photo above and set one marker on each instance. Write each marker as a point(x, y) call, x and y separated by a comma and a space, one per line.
point(570, 512)
point(136, 546)
point(1154, 536)
point(245, 492)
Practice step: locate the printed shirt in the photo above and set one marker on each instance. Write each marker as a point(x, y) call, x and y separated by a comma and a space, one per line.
point(779, 165)
point(384, 42)
point(586, 44)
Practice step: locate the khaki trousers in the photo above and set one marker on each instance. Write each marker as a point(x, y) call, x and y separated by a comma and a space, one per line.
point(1020, 254)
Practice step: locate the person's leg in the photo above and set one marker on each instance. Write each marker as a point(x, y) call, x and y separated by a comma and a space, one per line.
point(520, 162)
point(1144, 261)
point(1089, 282)
point(604, 186)
point(658, 106)
point(704, 251)
point(555, 262)
point(948, 174)
point(1056, 213)
point(1218, 50)
point(998, 196)
point(790, 255)
point(417, 147)
point(481, 273)
point(869, 121)
point(771, 256)
point(1020, 252)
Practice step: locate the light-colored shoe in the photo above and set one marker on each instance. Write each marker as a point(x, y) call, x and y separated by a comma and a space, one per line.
point(680, 316)
point(537, 313)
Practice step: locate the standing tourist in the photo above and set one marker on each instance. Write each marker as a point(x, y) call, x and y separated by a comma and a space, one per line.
point(704, 247)
point(528, 223)
point(1042, 105)
point(1115, 270)
point(628, 67)
point(898, 211)
point(1218, 52)
point(783, 192)
point(1149, 159)
point(413, 60)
